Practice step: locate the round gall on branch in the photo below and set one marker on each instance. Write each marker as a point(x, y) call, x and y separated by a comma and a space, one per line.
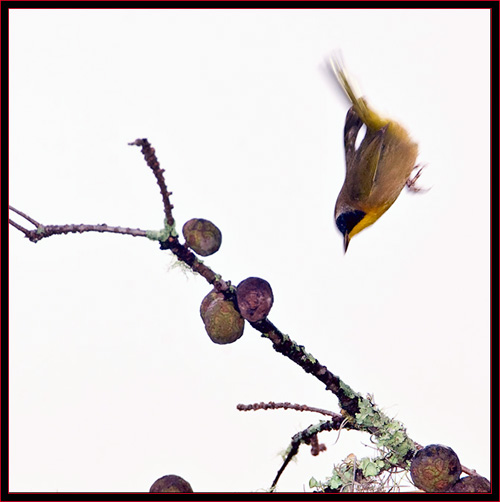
point(435, 468)
point(202, 236)
point(171, 484)
point(255, 298)
point(223, 323)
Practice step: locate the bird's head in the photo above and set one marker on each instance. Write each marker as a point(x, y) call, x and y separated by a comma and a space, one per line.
point(348, 222)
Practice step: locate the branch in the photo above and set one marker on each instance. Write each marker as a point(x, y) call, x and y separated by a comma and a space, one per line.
point(171, 241)
point(306, 436)
point(370, 419)
point(184, 254)
point(43, 231)
point(286, 346)
point(286, 406)
point(351, 402)
point(359, 412)
point(25, 216)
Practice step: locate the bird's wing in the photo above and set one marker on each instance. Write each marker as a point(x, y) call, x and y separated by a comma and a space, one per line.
point(364, 165)
point(353, 124)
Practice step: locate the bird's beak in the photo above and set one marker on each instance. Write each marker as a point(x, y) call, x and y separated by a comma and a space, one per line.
point(346, 241)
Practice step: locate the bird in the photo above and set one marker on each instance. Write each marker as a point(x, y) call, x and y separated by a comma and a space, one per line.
point(377, 170)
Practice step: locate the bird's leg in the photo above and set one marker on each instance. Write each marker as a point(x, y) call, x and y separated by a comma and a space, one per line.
point(411, 182)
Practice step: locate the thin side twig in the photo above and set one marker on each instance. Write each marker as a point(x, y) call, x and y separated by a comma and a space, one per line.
point(150, 156)
point(306, 436)
point(25, 216)
point(43, 231)
point(286, 406)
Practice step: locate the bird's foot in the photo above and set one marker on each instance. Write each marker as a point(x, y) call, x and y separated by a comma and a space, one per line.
point(411, 182)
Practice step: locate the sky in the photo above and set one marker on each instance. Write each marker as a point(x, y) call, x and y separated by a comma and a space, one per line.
point(113, 380)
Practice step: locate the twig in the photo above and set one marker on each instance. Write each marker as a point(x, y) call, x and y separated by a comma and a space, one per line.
point(19, 227)
point(354, 476)
point(316, 446)
point(149, 154)
point(470, 472)
point(297, 353)
point(305, 437)
point(286, 406)
point(43, 231)
point(183, 253)
point(25, 216)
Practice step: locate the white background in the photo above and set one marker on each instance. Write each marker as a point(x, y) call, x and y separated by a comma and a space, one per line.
point(113, 381)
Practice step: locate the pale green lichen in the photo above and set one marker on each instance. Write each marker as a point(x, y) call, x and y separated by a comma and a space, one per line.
point(163, 234)
point(393, 445)
point(315, 428)
point(286, 338)
point(368, 416)
point(390, 433)
point(344, 475)
point(348, 391)
point(306, 356)
point(284, 453)
point(183, 267)
point(371, 466)
point(336, 481)
point(313, 483)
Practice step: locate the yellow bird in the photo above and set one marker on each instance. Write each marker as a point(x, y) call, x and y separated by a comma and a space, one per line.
point(377, 170)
